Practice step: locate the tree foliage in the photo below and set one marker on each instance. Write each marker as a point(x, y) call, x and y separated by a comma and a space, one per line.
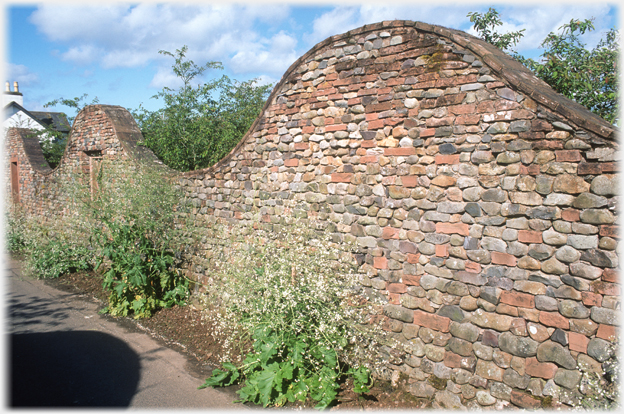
point(589, 77)
point(485, 24)
point(199, 125)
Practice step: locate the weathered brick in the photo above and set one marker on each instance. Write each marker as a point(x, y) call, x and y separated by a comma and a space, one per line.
point(545, 370)
point(472, 267)
point(571, 214)
point(341, 177)
point(577, 342)
point(609, 275)
point(607, 230)
point(554, 319)
point(606, 332)
point(609, 167)
point(529, 236)
point(453, 228)
point(514, 298)
point(452, 360)
point(390, 233)
point(524, 400)
point(587, 168)
point(568, 156)
point(447, 159)
point(432, 321)
point(465, 118)
point(396, 288)
point(336, 127)
point(380, 262)
point(441, 250)
point(591, 299)
point(400, 152)
point(409, 180)
point(503, 258)
point(411, 280)
point(375, 124)
point(606, 288)
point(466, 109)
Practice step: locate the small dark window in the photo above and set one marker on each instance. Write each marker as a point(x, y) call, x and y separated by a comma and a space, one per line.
point(95, 168)
point(15, 182)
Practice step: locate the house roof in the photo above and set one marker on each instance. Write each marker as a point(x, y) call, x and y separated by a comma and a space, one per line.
point(55, 120)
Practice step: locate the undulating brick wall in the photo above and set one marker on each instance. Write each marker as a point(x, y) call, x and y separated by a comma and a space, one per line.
point(482, 205)
point(99, 132)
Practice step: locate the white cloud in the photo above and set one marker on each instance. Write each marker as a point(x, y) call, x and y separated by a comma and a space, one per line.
point(256, 40)
point(125, 59)
point(539, 21)
point(164, 77)
point(119, 36)
point(343, 19)
point(82, 54)
point(22, 75)
point(337, 21)
point(69, 22)
point(266, 80)
point(274, 57)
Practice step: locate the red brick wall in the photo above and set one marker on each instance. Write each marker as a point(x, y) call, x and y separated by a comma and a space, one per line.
point(483, 204)
point(98, 129)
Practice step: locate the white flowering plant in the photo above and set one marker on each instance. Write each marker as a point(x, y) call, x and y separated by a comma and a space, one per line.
point(292, 294)
point(51, 247)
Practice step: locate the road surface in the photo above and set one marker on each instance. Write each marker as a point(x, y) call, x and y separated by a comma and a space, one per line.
point(62, 353)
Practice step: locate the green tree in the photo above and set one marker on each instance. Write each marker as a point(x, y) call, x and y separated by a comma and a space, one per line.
point(589, 77)
point(485, 24)
point(199, 125)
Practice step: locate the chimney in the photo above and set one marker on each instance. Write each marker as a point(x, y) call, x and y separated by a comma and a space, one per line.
point(12, 96)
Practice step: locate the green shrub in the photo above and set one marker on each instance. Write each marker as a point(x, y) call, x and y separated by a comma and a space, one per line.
point(55, 257)
point(128, 225)
point(135, 232)
point(14, 232)
point(140, 277)
point(199, 125)
point(52, 247)
point(293, 294)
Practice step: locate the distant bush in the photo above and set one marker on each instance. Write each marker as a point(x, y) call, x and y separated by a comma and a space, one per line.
point(200, 125)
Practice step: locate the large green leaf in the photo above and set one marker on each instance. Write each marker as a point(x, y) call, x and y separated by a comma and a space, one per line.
point(222, 378)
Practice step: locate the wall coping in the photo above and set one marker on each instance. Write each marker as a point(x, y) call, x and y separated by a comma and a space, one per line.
point(509, 69)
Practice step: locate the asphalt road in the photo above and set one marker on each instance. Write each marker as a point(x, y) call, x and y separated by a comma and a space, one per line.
point(62, 353)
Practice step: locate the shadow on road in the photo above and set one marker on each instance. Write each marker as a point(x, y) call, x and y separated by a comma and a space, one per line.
point(71, 369)
point(33, 312)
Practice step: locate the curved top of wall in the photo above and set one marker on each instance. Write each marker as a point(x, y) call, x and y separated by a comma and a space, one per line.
point(32, 150)
point(128, 133)
point(95, 128)
point(510, 71)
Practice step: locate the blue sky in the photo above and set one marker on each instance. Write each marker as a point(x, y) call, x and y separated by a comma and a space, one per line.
point(110, 50)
